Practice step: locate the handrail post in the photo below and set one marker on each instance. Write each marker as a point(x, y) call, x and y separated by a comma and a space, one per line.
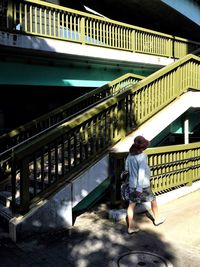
point(133, 41)
point(122, 118)
point(24, 185)
point(115, 169)
point(190, 169)
point(173, 53)
point(13, 183)
point(82, 30)
point(9, 21)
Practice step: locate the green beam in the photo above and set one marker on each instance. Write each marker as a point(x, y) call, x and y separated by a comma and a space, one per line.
point(47, 75)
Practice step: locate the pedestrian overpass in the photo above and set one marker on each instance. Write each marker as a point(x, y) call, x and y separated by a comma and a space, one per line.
point(68, 158)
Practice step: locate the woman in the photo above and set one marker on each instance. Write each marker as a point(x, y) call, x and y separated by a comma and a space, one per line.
point(139, 182)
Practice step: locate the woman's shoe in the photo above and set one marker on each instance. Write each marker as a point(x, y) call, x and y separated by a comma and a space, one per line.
point(133, 230)
point(159, 221)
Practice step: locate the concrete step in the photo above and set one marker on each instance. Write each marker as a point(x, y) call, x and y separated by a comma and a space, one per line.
point(6, 198)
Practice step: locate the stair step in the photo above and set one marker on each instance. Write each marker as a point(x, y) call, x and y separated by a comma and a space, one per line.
point(6, 198)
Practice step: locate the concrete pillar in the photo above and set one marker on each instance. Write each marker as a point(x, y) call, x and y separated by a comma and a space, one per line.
point(186, 130)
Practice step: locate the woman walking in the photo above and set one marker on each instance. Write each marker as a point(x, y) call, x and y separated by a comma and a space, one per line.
point(139, 182)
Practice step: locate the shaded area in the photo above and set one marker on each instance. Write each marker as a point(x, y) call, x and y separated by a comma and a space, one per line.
point(93, 242)
point(20, 104)
point(96, 240)
point(154, 15)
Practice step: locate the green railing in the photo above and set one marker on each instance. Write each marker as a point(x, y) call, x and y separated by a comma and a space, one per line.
point(48, 121)
point(43, 19)
point(40, 126)
point(171, 167)
point(59, 155)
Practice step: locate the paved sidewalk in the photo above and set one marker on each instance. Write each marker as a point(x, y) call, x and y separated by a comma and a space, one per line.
point(96, 241)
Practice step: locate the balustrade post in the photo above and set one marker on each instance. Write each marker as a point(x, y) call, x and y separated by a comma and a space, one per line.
point(170, 48)
point(190, 169)
point(133, 40)
point(82, 30)
point(122, 119)
point(13, 182)
point(9, 19)
point(115, 170)
point(24, 186)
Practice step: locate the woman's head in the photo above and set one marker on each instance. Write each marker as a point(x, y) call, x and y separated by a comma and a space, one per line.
point(140, 144)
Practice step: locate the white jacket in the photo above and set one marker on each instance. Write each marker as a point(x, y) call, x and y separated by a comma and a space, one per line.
point(139, 171)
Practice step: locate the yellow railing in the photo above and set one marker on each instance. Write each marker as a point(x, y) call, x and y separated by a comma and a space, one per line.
point(174, 166)
point(159, 89)
point(80, 141)
point(48, 121)
point(171, 167)
point(43, 19)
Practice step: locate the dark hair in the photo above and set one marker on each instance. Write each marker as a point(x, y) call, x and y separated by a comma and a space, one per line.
point(140, 144)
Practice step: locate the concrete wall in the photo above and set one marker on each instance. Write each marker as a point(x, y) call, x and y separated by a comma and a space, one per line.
point(89, 180)
point(48, 215)
point(56, 213)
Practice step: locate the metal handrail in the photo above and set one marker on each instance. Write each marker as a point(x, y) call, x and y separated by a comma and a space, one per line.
point(28, 132)
point(39, 18)
point(78, 142)
point(162, 157)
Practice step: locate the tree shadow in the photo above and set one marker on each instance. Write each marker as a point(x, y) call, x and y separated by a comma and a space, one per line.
point(95, 240)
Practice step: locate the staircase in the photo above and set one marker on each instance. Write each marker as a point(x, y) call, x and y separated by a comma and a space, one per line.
point(18, 138)
point(51, 164)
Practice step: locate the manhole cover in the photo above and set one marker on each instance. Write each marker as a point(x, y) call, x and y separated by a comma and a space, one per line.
point(141, 258)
